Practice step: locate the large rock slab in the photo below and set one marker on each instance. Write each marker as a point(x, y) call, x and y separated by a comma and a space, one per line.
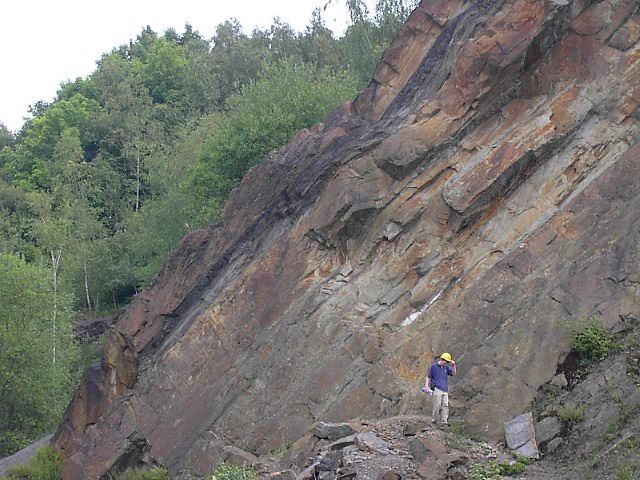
point(520, 435)
point(370, 442)
point(333, 431)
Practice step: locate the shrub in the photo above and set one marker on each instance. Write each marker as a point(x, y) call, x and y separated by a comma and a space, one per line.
point(231, 472)
point(625, 473)
point(594, 342)
point(494, 471)
point(512, 468)
point(571, 413)
point(491, 471)
point(46, 465)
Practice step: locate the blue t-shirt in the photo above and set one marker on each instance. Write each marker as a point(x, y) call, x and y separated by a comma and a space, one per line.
point(439, 376)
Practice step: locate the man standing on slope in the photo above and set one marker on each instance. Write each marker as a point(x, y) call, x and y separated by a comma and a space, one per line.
point(438, 381)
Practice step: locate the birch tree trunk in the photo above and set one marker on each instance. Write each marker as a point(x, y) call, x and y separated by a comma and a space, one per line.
point(86, 283)
point(55, 262)
point(137, 180)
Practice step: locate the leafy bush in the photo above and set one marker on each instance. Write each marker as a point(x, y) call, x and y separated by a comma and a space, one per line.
point(594, 342)
point(157, 473)
point(494, 471)
point(45, 466)
point(626, 473)
point(571, 413)
point(231, 472)
point(512, 468)
point(491, 471)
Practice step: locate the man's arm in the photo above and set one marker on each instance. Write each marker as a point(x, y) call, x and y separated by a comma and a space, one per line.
point(453, 368)
point(427, 380)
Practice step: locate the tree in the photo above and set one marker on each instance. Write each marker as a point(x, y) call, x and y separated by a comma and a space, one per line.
point(238, 59)
point(318, 45)
point(129, 119)
point(73, 192)
point(286, 98)
point(31, 165)
point(6, 137)
point(164, 71)
point(37, 353)
point(369, 35)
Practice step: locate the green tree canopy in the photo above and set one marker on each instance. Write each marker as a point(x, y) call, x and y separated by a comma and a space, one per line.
point(287, 97)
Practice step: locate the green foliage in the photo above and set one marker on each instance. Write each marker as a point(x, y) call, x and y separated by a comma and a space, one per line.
point(628, 472)
point(32, 166)
point(513, 468)
point(46, 465)
point(624, 414)
point(458, 437)
point(524, 460)
point(231, 472)
point(157, 473)
point(6, 137)
point(593, 342)
point(369, 35)
point(37, 353)
point(164, 71)
point(494, 470)
point(571, 413)
point(286, 98)
point(491, 471)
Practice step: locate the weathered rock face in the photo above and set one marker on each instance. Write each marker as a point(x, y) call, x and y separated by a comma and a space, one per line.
point(478, 197)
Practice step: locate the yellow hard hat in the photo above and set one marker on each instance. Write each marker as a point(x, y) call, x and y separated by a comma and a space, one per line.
point(446, 357)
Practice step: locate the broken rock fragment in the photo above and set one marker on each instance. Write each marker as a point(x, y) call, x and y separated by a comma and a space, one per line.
point(521, 436)
point(332, 431)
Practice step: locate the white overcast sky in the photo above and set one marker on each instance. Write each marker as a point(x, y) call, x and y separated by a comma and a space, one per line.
point(44, 42)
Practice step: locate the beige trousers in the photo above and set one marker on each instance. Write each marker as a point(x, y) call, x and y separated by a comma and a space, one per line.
point(440, 406)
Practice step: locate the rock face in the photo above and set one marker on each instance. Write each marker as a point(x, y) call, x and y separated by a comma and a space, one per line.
point(479, 197)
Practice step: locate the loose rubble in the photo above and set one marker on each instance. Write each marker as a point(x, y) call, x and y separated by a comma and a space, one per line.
point(401, 447)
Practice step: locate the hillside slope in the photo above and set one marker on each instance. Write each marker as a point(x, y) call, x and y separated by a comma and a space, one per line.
point(479, 197)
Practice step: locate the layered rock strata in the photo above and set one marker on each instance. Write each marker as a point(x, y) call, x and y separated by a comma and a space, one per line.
point(481, 196)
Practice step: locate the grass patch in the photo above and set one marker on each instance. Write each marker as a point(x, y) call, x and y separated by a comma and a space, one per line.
point(458, 437)
point(231, 472)
point(569, 414)
point(278, 452)
point(626, 473)
point(613, 430)
point(46, 465)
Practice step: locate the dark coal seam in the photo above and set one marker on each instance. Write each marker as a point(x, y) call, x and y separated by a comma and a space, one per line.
point(431, 66)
